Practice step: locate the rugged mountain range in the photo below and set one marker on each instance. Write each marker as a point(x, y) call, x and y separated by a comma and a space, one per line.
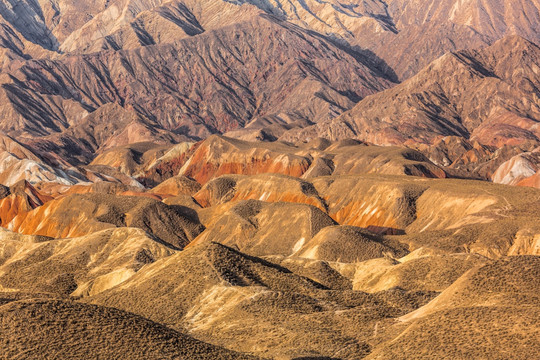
point(408, 35)
point(274, 179)
point(490, 95)
point(215, 82)
point(176, 55)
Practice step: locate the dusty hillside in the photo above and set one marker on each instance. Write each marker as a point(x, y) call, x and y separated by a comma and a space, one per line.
point(52, 328)
point(78, 266)
point(172, 225)
point(237, 296)
point(336, 266)
point(497, 300)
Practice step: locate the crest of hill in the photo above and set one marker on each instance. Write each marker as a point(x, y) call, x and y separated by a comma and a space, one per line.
point(175, 186)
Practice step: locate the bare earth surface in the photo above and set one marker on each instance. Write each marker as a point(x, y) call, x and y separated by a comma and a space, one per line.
point(269, 179)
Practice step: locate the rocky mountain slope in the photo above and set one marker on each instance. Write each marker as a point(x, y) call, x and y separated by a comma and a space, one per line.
point(404, 35)
point(346, 50)
point(490, 95)
point(215, 82)
point(275, 179)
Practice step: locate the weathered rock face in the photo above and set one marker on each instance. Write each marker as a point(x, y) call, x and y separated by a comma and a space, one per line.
point(19, 199)
point(96, 133)
point(427, 29)
point(268, 187)
point(489, 95)
point(532, 181)
point(522, 169)
point(468, 158)
point(214, 82)
point(449, 215)
point(408, 35)
point(18, 163)
point(219, 155)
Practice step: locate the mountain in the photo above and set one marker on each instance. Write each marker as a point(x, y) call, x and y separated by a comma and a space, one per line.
point(427, 29)
point(397, 34)
point(489, 95)
point(218, 81)
point(407, 35)
point(274, 179)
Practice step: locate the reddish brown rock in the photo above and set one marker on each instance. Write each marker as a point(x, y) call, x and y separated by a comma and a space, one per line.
point(489, 95)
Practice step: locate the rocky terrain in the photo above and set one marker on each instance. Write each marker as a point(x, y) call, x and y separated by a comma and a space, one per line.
point(171, 70)
point(270, 254)
point(490, 96)
point(269, 179)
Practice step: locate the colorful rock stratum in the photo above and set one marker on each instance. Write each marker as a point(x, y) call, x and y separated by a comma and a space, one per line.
point(270, 179)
